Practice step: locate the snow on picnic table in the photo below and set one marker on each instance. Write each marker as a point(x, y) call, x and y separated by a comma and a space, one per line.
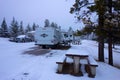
point(17, 66)
point(77, 51)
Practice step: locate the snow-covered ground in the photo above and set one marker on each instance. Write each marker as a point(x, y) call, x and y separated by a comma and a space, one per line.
point(14, 65)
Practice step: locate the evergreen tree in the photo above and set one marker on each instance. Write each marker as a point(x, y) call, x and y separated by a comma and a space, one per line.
point(47, 23)
point(37, 26)
point(108, 21)
point(78, 33)
point(34, 26)
point(4, 29)
point(110, 61)
point(21, 29)
point(28, 28)
point(70, 29)
point(52, 24)
point(0, 32)
point(112, 23)
point(14, 28)
point(97, 6)
point(116, 4)
point(55, 25)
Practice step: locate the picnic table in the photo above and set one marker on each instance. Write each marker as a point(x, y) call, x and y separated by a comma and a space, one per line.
point(78, 57)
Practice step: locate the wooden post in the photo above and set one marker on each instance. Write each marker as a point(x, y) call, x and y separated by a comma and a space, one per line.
point(76, 64)
point(93, 71)
point(60, 68)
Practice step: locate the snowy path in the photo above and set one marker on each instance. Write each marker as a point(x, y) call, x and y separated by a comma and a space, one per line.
point(38, 68)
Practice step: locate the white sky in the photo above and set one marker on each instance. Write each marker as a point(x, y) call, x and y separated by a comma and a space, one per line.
point(37, 11)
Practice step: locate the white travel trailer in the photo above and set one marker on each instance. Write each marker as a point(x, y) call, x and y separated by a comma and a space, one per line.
point(47, 36)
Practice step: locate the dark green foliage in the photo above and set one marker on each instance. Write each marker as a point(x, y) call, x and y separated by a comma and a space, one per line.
point(28, 28)
point(92, 8)
point(4, 25)
point(116, 4)
point(87, 30)
point(21, 29)
point(14, 28)
point(71, 10)
point(83, 15)
point(108, 22)
point(54, 25)
point(4, 29)
point(34, 26)
point(78, 33)
point(47, 23)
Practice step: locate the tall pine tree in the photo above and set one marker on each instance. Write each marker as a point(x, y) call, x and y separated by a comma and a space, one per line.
point(34, 26)
point(47, 23)
point(4, 29)
point(14, 28)
point(84, 14)
point(28, 28)
point(21, 29)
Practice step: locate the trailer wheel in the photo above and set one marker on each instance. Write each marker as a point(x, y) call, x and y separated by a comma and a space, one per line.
point(44, 46)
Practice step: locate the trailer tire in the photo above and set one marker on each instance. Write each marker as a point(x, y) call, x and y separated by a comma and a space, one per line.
point(44, 46)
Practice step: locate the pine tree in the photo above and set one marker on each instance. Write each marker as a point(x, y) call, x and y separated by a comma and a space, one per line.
point(0, 32)
point(34, 26)
point(21, 29)
point(97, 6)
point(47, 23)
point(4, 29)
point(52, 24)
point(113, 21)
point(55, 25)
point(14, 28)
point(108, 22)
point(28, 28)
point(70, 29)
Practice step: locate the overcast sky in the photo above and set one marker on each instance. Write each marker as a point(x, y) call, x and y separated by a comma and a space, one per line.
point(37, 11)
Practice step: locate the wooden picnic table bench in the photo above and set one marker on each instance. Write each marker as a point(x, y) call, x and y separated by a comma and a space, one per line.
point(61, 63)
point(75, 58)
point(91, 66)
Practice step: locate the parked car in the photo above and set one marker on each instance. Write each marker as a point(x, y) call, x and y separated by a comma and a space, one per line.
point(23, 38)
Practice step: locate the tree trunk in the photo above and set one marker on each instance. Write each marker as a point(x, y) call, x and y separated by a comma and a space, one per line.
point(101, 49)
point(110, 61)
point(110, 50)
point(101, 12)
